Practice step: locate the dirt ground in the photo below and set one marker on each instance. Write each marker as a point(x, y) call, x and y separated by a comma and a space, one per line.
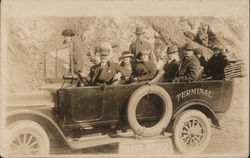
point(231, 139)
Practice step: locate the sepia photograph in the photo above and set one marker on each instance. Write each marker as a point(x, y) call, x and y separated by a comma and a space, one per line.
point(124, 78)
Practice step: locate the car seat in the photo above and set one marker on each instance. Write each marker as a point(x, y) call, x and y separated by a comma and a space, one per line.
point(158, 77)
point(200, 74)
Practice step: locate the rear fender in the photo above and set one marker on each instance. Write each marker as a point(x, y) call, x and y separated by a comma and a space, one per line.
point(52, 129)
point(202, 106)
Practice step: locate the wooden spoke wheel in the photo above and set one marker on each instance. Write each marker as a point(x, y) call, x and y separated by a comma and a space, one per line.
point(27, 137)
point(191, 132)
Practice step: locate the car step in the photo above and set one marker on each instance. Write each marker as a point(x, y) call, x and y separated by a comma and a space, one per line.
point(119, 137)
point(90, 141)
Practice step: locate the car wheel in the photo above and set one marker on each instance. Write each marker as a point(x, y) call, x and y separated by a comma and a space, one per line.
point(166, 115)
point(191, 132)
point(26, 137)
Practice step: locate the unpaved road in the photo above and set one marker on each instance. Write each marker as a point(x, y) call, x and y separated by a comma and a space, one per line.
point(232, 139)
point(229, 140)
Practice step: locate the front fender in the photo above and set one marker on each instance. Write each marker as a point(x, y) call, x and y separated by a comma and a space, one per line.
point(201, 106)
point(49, 125)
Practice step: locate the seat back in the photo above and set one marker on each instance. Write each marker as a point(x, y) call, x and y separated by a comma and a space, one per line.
point(158, 77)
point(200, 74)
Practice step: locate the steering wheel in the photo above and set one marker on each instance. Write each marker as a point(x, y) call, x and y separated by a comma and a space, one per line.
point(81, 79)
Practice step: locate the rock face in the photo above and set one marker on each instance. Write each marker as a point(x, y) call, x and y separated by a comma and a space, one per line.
point(29, 39)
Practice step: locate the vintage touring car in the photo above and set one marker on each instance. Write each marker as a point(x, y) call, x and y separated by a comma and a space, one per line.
point(86, 116)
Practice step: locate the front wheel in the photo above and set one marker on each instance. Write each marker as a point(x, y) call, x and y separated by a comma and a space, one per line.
point(26, 137)
point(191, 132)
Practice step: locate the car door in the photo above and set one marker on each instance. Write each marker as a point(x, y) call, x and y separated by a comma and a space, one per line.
point(87, 104)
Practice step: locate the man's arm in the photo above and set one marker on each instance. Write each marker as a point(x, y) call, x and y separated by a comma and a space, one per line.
point(193, 72)
point(124, 71)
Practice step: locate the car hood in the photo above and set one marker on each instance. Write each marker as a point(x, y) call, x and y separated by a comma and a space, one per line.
point(40, 98)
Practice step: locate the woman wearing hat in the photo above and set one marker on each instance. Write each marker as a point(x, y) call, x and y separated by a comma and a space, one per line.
point(145, 69)
point(127, 64)
point(171, 67)
point(126, 60)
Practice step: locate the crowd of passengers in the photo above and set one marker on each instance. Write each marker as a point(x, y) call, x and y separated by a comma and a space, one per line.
point(139, 63)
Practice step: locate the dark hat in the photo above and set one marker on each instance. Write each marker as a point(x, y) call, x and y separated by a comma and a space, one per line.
point(68, 32)
point(172, 49)
point(188, 47)
point(198, 51)
point(144, 52)
point(126, 54)
point(104, 51)
point(218, 48)
point(97, 49)
point(139, 31)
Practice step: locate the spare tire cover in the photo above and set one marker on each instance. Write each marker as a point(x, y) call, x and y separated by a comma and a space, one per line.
point(136, 96)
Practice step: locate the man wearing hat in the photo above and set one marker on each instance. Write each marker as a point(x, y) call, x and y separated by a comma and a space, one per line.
point(140, 43)
point(190, 66)
point(145, 69)
point(76, 59)
point(198, 52)
point(107, 72)
point(171, 67)
point(217, 63)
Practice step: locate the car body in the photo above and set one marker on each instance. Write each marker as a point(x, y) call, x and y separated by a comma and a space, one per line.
point(64, 113)
point(73, 112)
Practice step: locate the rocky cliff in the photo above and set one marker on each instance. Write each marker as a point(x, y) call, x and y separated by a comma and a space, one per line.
point(29, 39)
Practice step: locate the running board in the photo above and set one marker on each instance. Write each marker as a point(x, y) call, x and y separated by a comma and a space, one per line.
point(91, 142)
point(98, 140)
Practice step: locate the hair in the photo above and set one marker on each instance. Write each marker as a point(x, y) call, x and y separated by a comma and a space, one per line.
point(107, 46)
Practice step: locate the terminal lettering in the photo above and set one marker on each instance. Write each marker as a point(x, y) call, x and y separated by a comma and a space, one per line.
point(194, 91)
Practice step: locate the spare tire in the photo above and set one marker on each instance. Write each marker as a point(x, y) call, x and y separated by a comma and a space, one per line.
point(136, 96)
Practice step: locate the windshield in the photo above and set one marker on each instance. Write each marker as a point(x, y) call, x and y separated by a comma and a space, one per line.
point(57, 64)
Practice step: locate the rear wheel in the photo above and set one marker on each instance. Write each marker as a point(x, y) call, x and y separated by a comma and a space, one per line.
point(26, 137)
point(191, 132)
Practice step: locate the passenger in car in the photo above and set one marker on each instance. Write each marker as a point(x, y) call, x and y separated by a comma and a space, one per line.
point(126, 60)
point(145, 69)
point(190, 66)
point(107, 72)
point(172, 65)
point(159, 49)
point(217, 63)
point(198, 52)
point(95, 58)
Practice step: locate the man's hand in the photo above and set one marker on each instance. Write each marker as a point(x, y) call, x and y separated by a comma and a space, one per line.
point(134, 79)
point(176, 79)
point(117, 76)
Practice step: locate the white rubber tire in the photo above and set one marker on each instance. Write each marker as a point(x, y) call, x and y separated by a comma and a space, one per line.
point(27, 133)
point(192, 132)
point(131, 110)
